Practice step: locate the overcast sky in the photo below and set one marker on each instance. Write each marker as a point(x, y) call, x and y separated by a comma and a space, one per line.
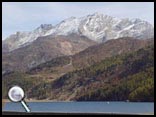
point(26, 16)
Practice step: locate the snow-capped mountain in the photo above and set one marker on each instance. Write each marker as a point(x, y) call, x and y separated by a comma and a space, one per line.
point(97, 27)
point(21, 39)
point(101, 27)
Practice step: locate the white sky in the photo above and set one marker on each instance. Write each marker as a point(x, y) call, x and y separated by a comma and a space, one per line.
point(26, 16)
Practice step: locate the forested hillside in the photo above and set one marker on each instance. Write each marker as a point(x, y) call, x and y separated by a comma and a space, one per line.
point(127, 76)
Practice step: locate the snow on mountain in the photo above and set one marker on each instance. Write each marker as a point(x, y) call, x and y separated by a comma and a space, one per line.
point(66, 27)
point(97, 27)
point(21, 39)
point(101, 27)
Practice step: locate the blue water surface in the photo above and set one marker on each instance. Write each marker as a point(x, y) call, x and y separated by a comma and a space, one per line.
point(84, 107)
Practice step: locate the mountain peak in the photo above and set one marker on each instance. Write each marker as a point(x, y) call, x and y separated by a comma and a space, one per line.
point(96, 14)
point(45, 27)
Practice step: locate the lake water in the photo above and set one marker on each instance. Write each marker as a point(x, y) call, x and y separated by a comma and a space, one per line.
point(84, 107)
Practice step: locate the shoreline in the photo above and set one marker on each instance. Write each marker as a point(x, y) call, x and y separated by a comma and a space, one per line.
point(7, 100)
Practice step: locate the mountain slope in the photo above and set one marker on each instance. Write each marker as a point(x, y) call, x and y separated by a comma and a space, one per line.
point(137, 87)
point(95, 54)
point(129, 71)
point(110, 48)
point(44, 49)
